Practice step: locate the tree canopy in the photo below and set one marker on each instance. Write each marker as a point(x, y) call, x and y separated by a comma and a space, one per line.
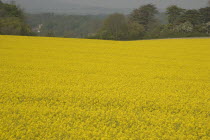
point(142, 23)
point(174, 13)
point(144, 15)
point(119, 27)
point(205, 14)
point(12, 21)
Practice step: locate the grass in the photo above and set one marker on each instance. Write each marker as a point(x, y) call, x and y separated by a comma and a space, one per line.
point(54, 88)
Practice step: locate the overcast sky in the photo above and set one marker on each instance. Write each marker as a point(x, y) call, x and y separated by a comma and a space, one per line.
point(161, 4)
point(123, 3)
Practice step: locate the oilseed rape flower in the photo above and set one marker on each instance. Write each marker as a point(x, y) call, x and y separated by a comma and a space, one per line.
point(56, 88)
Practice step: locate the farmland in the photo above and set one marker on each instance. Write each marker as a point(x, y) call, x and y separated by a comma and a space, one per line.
point(54, 88)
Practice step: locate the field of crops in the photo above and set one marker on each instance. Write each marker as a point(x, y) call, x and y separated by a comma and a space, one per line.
point(54, 88)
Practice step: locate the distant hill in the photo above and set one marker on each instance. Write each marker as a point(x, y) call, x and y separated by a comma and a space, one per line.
point(79, 26)
point(77, 10)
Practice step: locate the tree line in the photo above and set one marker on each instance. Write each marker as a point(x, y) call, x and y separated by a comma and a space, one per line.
point(12, 20)
point(143, 24)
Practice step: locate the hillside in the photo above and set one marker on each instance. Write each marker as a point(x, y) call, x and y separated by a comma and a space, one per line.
point(56, 88)
point(73, 26)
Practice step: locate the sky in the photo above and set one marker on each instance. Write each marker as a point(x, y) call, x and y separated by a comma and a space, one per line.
point(59, 4)
point(134, 3)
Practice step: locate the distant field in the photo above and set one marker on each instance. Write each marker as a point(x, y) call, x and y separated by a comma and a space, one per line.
point(54, 88)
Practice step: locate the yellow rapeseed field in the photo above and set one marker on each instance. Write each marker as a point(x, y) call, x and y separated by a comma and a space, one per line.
point(54, 88)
